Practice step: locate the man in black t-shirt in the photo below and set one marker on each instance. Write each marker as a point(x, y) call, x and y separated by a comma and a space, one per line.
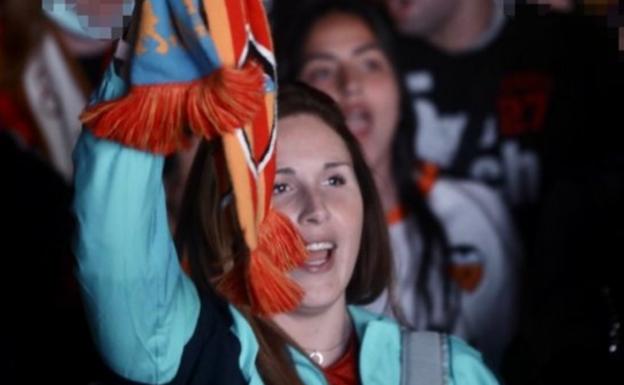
point(476, 117)
point(503, 95)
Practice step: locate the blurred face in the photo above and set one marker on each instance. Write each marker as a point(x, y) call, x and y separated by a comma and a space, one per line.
point(100, 11)
point(421, 17)
point(98, 19)
point(316, 188)
point(343, 58)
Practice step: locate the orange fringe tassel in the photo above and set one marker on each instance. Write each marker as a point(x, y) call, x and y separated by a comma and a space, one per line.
point(279, 241)
point(268, 289)
point(271, 291)
point(155, 118)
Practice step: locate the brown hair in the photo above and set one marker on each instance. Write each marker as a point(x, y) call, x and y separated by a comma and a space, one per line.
point(21, 28)
point(208, 236)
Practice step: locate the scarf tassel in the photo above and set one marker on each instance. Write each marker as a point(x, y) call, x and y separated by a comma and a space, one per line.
point(160, 118)
point(267, 288)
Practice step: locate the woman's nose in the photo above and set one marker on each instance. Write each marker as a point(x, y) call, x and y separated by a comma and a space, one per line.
point(350, 81)
point(314, 210)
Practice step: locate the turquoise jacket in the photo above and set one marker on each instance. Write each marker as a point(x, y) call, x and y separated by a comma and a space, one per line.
point(143, 310)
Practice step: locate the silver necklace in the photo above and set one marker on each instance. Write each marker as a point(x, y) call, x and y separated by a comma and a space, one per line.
point(317, 356)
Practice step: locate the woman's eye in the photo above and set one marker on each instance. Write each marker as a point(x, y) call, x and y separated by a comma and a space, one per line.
point(318, 75)
point(372, 64)
point(336, 180)
point(280, 188)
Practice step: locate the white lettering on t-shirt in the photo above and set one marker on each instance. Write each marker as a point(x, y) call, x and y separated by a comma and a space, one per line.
point(419, 82)
point(438, 135)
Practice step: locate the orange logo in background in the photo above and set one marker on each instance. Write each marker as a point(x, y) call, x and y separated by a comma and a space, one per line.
point(466, 268)
point(467, 277)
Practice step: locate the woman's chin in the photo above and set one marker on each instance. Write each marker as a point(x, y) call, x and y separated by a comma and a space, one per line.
point(318, 303)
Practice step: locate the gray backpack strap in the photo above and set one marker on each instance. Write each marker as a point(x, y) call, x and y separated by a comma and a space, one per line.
point(424, 358)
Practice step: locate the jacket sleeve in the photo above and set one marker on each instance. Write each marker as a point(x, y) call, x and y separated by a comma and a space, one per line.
point(141, 307)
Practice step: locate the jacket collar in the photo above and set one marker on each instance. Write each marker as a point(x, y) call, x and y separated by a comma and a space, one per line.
point(379, 350)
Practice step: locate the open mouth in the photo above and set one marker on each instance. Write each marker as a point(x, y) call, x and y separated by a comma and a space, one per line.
point(358, 120)
point(319, 256)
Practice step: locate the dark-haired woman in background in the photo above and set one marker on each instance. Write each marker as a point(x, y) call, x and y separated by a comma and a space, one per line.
point(454, 248)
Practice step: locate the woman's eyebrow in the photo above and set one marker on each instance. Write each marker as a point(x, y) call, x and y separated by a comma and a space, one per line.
point(318, 56)
point(367, 47)
point(372, 46)
point(290, 171)
point(337, 164)
point(285, 170)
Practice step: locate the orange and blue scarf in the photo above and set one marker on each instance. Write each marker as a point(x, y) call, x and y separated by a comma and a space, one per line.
point(206, 67)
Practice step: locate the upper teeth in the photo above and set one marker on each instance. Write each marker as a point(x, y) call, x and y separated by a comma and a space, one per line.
point(319, 246)
point(358, 117)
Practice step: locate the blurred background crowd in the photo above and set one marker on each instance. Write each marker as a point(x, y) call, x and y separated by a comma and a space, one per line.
point(493, 129)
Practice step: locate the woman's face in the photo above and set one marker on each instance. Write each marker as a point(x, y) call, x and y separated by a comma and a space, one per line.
point(316, 188)
point(343, 58)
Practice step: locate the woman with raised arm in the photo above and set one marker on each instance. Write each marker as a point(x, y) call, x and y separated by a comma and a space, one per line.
point(279, 247)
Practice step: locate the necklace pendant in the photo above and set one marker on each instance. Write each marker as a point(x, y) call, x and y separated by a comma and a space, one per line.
point(317, 357)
